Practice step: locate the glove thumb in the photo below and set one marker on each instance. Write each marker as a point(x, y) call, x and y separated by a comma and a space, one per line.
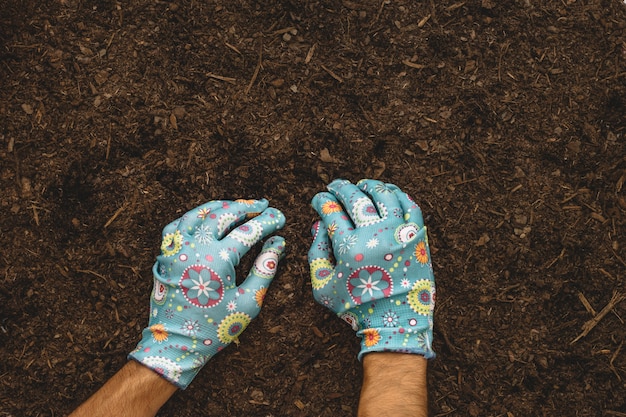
point(321, 259)
point(264, 268)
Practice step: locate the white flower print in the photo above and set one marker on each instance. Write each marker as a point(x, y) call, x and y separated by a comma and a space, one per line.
point(203, 234)
point(372, 243)
point(368, 286)
point(382, 188)
point(346, 244)
point(190, 327)
point(204, 287)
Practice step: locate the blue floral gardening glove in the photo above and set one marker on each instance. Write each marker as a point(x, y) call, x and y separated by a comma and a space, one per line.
point(370, 264)
point(196, 308)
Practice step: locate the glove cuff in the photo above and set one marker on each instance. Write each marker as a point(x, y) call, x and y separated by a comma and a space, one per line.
point(396, 340)
point(174, 358)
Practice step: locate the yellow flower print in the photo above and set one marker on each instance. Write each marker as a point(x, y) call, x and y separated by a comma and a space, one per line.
point(172, 243)
point(259, 296)
point(231, 327)
point(421, 253)
point(421, 297)
point(321, 273)
point(331, 207)
point(159, 333)
point(371, 337)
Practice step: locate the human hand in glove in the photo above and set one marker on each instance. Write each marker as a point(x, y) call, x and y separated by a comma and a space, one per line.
point(197, 308)
point(370, 264)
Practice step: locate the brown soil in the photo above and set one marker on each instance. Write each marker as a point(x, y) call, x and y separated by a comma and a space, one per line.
point(505, 120)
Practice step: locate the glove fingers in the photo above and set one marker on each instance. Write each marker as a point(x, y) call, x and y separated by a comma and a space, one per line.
point(360, 207)
point(321, 261)
point(321, 246)
point(386, 201)
point(189, 221)
point(263, 270)
point(332, 211)
point(239, 241)
point(412, 212)
point(218, 217)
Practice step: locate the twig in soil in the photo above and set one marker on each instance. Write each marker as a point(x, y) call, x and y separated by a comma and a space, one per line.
point(607, 273)
point(35, 214)
point(503, 297)
point(455, 6)
point(618, 257)
point(369, 118)
point(422, 22)
point(256, 70)
point(108, 150)
point(132, 268)
point(615, 413)
point(111, 39)
point(433, 11)
point(590, 324)
point(33, 46)
point(380, 11)
point(284, 30)
point(503, 49)
point(586, 304)
point(309, 54)
point(332, 74)
point(117, 213)
point(233, 48)
point(618, 75)
point(619, 378)
point(221, 78)
point(465, 181)
point(555, 260)
point(413, 64)
point(89, 271)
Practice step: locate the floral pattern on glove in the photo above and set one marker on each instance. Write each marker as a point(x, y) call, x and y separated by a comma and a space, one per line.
point(370, 264)
point(197, 309)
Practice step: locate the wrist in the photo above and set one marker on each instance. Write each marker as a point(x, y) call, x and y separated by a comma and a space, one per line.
point(171, 355)
point(134, 390)
point(393, 384)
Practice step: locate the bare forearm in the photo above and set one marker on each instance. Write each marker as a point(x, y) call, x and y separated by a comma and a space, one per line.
point(133, 391)
point(394, 384)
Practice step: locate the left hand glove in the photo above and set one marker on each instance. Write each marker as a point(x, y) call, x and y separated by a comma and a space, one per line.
point(196, 308)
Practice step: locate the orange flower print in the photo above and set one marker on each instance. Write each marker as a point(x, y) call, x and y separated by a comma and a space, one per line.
point(244, 201)
point(371, 337)
point(332, 228)
point(421, 253)
point(259, 296)
point(159, 333)
point(247, 202)
point(331, 207)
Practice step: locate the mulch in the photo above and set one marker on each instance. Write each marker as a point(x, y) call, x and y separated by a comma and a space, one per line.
point(504, 121)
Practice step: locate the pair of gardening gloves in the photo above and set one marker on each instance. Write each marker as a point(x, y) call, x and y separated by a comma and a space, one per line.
point(369, 262)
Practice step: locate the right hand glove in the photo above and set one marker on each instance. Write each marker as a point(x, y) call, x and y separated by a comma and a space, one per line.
point(370, 264)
